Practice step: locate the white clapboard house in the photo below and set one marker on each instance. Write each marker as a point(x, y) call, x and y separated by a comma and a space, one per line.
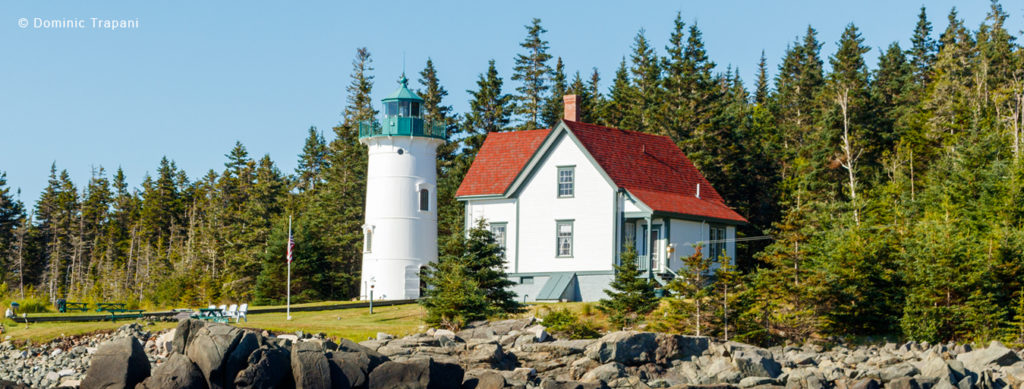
point(564, 201)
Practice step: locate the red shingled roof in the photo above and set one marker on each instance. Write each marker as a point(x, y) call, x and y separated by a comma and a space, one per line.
point(500, 159)
point(651, 167)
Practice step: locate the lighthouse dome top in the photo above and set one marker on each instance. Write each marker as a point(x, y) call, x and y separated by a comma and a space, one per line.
point(403, 115)
point(403, 92)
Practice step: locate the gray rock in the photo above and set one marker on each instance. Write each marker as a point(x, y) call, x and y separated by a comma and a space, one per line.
point(416, 374)
point(937, 368)
point(184, 333)
point(309, 366)
point(678, 347)
point(903, 383)
point(605, 372)
point(268, 367)
point(897, 371)
point(803, 359)
point(626, 347)
point(755, 364)
point(488, 379)
point(555, 384)
point(756, 381)
point(176, 372)
point(351, 366)
point(866, 383)
point(994, 355)
point(210, 349)
point(119, 363)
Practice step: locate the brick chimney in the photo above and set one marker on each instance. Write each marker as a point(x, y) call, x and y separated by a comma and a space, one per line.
point(572, 112)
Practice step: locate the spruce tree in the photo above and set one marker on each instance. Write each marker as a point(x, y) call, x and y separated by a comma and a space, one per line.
point(620, 96)
point(761, 90)
point(922, 51)
point(553, 107)
point(312, 162)
point(490, 109)
point(533, 72)
point(631, 296)
point(643, 110)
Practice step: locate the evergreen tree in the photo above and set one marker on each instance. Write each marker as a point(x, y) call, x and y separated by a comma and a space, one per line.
point(631, 296)
point(553, 108)
point(687, 310)
point(922, 51)
point(761, 87)
point(615, 109)
point(470, 284)
point(490, 109)
point(642, 112)
point(533, 72)
point(312, 162)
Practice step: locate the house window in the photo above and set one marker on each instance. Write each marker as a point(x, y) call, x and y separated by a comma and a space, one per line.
point(526, 280)
point(367, 240)
point(563, 230)
point(566, 181)
point(716, 242)
point(498, 231)
point(424, 200)
point(629, 236)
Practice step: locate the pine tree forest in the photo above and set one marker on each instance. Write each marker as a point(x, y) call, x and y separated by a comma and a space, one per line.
point(892, 192)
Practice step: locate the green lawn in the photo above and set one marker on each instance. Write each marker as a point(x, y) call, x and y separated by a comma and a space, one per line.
point(45, 332)
point(353, 323)
point(356, 323)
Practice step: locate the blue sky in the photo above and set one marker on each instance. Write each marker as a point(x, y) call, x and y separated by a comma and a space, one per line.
point(194, 77)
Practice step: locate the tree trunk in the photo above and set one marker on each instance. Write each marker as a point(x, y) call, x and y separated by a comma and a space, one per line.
point(850, 162)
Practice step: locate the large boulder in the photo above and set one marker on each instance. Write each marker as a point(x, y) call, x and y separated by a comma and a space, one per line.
point(119, 363)
point(936, 368)
point(485, 379)
point(756, 363)
point(626, 347)
point(268, 367)
point(604, 373)
point(211, 348)
point(676, 347)
point(176, 372)
point(184, 333)
point(424, 373)
point(995, 355)
point(309, 366)
point(352, 364)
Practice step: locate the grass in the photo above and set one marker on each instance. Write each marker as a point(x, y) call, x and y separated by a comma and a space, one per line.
point(355, 324)
point(44, 332)
point(352, 323)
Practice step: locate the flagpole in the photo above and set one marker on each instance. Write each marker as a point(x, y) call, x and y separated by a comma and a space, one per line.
point(288, 306)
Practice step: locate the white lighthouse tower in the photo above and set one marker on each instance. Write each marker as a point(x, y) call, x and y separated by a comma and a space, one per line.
point(400, 234)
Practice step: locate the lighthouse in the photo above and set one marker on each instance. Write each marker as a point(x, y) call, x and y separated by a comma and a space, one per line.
point(400, 230)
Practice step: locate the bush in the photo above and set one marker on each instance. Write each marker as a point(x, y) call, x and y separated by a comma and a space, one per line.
point(565, 322)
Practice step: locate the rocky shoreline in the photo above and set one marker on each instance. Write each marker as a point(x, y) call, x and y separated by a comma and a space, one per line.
point(505, 354)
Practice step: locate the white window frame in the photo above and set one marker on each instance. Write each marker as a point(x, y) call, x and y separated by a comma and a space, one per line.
point(559, 238)
point(570, 183)
point(504, 234)
point(716, 241)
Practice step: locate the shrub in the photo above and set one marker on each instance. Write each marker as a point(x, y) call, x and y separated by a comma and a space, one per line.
point(565, 322)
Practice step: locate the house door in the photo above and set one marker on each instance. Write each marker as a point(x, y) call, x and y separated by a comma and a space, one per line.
point(655, 246)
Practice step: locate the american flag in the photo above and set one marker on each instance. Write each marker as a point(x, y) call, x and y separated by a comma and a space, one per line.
point(291, 244)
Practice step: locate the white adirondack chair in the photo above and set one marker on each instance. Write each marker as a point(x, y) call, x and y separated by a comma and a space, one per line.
point(242, 310)
point(223, 309)
point(232, 312)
